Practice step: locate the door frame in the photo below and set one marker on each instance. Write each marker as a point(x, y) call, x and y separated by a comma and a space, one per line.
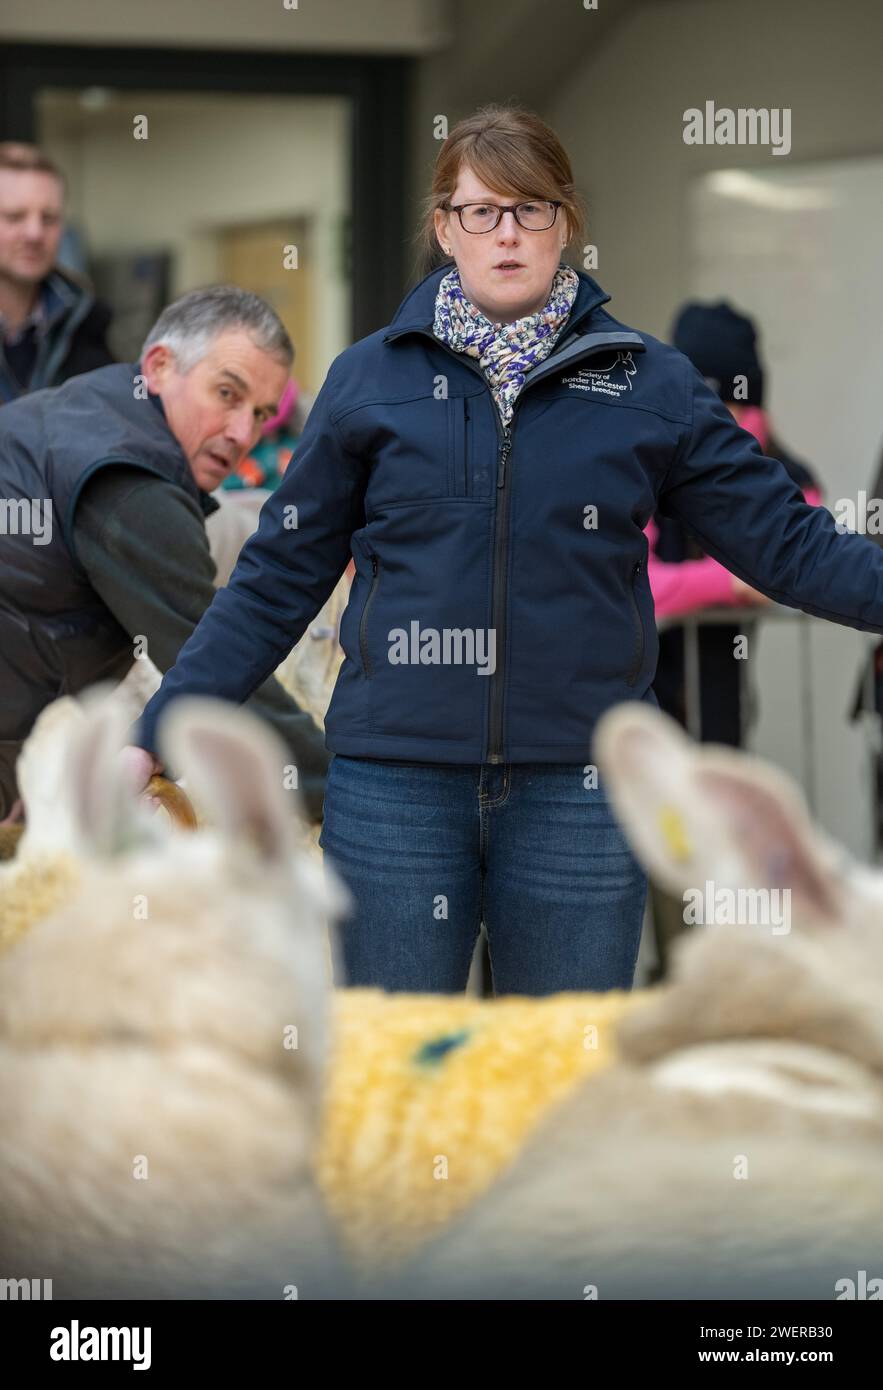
point(299, 229)
point(378, 89)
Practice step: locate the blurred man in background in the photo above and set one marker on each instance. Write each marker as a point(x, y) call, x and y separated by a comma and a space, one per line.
point(51, 325)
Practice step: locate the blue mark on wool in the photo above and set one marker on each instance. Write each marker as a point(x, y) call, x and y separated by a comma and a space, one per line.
point(438, 1048)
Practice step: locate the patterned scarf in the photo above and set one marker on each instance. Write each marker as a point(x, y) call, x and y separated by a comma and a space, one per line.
point(506, 352)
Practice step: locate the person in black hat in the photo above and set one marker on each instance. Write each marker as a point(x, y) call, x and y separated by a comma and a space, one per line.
point(722, 344)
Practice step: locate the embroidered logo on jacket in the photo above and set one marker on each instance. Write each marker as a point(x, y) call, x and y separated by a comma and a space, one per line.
point(611, 380)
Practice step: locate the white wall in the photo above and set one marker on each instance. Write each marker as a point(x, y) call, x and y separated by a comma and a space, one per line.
point(621, 117)
point(790, 246)
point(209, 162)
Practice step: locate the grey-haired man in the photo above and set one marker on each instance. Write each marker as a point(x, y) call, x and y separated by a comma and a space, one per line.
point(104, 491)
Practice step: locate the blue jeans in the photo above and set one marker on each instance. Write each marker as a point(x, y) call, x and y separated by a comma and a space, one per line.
point(429, 851)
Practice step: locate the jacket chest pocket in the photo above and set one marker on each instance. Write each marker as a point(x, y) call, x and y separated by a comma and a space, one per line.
point(420, 450)
point(458, 443)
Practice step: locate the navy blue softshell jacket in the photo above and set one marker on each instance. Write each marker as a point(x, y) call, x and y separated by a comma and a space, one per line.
point(536, 532)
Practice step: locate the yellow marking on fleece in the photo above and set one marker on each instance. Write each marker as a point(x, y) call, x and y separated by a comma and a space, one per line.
point(394, 1122)
point(32, 892)
point(674, 832)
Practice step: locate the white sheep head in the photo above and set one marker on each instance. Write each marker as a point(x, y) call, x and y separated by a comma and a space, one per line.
point(177, 1007)
point(699, 815)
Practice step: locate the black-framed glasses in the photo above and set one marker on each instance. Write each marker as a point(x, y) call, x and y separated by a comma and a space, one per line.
point(537, 215)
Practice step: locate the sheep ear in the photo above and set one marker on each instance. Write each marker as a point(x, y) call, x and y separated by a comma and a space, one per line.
point(646, 763)
point(107, 818)
point(44, 780)
point(769, 838)
point(695, 813)
point(236, 769)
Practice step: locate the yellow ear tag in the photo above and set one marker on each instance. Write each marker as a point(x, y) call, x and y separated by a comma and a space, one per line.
point(674, 832)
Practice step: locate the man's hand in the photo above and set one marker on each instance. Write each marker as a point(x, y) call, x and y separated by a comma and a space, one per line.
point(138, 767)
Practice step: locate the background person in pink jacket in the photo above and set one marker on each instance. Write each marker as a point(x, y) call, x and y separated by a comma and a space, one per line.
point(722, 345)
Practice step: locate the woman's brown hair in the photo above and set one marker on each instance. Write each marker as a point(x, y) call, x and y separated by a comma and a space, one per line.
point(509, 149)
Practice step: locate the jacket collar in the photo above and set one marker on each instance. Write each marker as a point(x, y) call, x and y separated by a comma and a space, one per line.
point(63, 296)
point(417, 310)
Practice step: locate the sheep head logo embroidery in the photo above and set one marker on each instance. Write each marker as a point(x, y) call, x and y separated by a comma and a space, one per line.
point(608, 380)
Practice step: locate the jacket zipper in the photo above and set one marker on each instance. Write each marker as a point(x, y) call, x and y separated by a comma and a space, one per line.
point(500, 593)
point(639, 659)
point(363, 641)
point(501, 528)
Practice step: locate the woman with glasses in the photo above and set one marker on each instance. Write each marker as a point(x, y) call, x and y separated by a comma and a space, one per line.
point(490, 460)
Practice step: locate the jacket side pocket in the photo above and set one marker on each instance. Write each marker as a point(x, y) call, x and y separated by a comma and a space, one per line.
point(363, 622)
point(639, 627)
